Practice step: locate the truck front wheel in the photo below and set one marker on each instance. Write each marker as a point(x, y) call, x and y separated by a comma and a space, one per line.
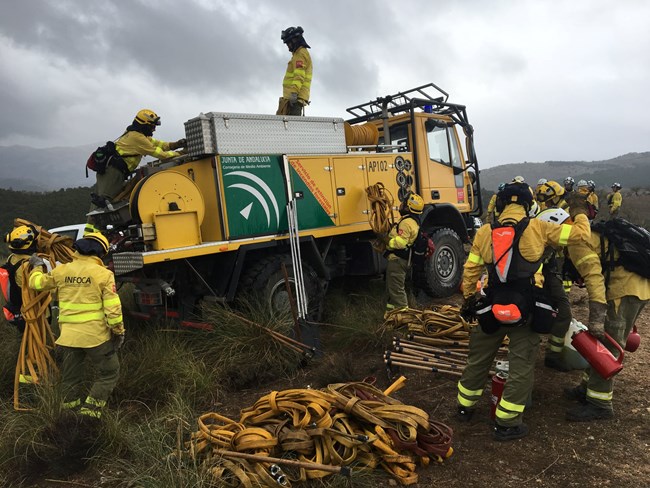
point(441, 274)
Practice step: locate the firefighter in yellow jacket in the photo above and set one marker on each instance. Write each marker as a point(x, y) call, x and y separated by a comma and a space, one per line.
point(90, 317)
point(398, 251)
point(22, 243)
point(136, 142)
point(493, 203)
point(296, 85)
point(626, 293)
point(614, 200)
point(514, 275)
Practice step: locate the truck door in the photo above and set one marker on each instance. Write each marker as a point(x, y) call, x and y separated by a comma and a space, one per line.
point(444, 156)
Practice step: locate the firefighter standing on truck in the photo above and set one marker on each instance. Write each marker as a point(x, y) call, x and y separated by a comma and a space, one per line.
point(136, 142)
point(90, 317)
point(398, 251)
point(296, 85)
point(22, 243)
point(626, 294)
point(512, 268)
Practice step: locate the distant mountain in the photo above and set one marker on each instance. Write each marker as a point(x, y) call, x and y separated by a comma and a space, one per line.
point(30, 169)
point(631, 170)
point(26, 168)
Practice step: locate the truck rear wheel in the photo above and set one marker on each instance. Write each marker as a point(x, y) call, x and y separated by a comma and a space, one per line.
point(441, 274)
point(264, 278)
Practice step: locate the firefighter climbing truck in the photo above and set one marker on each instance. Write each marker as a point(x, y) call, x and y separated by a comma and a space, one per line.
point(212, 224)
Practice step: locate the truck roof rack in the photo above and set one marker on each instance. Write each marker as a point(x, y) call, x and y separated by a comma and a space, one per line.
point(405, 102)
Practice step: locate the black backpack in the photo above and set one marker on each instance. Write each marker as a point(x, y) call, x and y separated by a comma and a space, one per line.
point(100, 157)
point(107, 154)
point(421, 249)
point(632, 243)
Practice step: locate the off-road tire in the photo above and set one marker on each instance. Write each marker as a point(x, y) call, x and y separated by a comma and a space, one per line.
point(264, 278)
point(441, 274)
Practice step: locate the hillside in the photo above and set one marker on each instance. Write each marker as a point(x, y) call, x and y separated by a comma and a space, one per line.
point(632, 170)
point(31, 169)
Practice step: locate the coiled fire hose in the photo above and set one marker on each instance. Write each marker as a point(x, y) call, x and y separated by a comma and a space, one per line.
point(437, 340)
point(381, 213)
point(35, 363)
point(295, 435)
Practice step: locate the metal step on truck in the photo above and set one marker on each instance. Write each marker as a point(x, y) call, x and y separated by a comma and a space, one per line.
point(213, 224)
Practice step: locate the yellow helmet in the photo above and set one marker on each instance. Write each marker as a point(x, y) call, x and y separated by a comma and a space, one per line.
point(550, 192)
point(415, 203)
point(21, 238)
point(98, 237)
point(147, 117)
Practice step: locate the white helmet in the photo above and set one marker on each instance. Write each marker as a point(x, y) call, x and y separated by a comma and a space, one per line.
point(541, 181)
point(583, 183)
point(553, 215)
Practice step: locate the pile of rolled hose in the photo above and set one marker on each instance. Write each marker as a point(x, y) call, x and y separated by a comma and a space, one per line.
point(296, 435)
point(435, 340)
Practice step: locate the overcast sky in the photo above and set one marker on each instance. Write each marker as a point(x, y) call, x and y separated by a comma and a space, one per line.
point(542, 80)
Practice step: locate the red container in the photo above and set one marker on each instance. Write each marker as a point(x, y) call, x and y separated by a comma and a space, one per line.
point(597, 355)
point(633, 341)
point(498, 383)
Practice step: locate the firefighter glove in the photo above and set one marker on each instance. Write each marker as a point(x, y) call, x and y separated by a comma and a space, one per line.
point(468, 308)
point(293, 99)
point(118, 340)
point(35, 260)
point(597, 314)
point(577, 204)
point(177, 144)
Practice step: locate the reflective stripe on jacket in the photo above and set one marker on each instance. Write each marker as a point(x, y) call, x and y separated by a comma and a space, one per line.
point(89, 306)
point(534, 240)
point(134, 142)
point(297, 78)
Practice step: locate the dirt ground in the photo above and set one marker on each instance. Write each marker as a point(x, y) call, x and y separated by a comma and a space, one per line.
point(556, 453)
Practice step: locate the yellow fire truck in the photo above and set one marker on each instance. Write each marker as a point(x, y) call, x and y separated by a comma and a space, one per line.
point(214, 223)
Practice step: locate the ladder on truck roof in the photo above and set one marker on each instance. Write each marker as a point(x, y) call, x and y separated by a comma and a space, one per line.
point(404, 102)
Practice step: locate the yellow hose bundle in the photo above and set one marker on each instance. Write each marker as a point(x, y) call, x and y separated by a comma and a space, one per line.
point(381, 214)
point(35, 363)
point(315, 433)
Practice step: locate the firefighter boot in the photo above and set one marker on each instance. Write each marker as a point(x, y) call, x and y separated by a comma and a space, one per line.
point(503, 433)
point(576, 394)
point(554, 360)
point(464, 414)
point(589, 412)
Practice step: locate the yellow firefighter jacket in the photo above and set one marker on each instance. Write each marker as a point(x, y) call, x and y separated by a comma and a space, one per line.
point(592, 198)
point(297, 78)
point(586, 257)
point(402, 236)
point(614, 200)
point(89, 307)
point(534, 239)
point(492, 204)
point(135, 145)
